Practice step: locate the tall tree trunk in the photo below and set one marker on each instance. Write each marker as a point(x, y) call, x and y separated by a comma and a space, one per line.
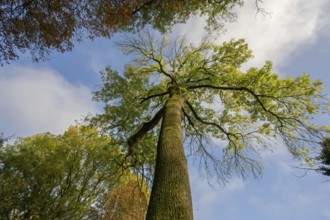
point(170, 196)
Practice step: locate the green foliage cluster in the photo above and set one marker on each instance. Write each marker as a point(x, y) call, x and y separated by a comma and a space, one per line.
point(242, 111)
point(324, 157)
point(48, 176)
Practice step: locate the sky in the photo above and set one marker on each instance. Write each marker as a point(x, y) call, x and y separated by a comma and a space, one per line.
point(295, 35)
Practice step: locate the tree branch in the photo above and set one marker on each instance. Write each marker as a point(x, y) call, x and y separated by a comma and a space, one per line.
point(161, 68)
point(256, 96)
point(151, 56)
point(207, 122)
point(147, 126)
point(154, 95)
point(145, 4)
point(189, 119)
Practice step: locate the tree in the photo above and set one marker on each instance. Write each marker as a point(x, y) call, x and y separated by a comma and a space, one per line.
point(40, 26)
point(127, 201)
point(48, 176)
point(203, 100)
point(324, 158)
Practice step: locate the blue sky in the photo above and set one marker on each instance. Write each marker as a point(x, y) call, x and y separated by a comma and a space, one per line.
point(50, 96)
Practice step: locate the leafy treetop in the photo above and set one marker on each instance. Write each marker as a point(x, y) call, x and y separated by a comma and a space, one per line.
point(240, 112)
point(48, 176)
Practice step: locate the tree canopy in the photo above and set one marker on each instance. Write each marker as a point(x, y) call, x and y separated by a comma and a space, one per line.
point(48, 176)
point(226, 115)
point(246, 110)
point(39, 26)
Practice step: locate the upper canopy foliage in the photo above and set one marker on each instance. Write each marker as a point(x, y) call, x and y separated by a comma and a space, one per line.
point(39, 26)
point(240, 112)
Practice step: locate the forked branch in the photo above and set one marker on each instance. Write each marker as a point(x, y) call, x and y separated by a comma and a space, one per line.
point(207, 122)
point(146, 127)
point(256, 96)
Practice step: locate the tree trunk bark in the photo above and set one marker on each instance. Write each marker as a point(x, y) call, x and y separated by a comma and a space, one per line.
point(170, 196)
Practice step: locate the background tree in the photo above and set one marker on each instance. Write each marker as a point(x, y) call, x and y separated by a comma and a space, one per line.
point(127, 201)
point(203, 100)
point(48, 176)
point(324, 158)
point(40, 26)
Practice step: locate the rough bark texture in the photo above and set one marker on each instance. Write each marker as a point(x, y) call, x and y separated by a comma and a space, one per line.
point(170, 195)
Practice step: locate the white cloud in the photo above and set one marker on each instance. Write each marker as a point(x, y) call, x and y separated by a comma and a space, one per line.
point(287, 196)
point(39, 100)
point(102, 52)
point(265, 206)
point(291, 24)
point(280, 194)
point(208, 198)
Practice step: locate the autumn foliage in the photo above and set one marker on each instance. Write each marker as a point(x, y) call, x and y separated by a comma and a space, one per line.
point(40, 26)
point(126, 202)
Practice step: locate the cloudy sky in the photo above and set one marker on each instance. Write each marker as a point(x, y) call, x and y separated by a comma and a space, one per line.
point(50, 96)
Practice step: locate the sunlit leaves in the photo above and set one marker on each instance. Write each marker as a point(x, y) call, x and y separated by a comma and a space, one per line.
point(48, 176)
point(245, 111)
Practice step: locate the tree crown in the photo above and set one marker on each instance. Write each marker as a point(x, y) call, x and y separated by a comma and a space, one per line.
point(241, 112)
point(61, 176)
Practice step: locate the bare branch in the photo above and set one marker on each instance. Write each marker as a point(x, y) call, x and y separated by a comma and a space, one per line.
point(138, 45)
point(259, 8)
